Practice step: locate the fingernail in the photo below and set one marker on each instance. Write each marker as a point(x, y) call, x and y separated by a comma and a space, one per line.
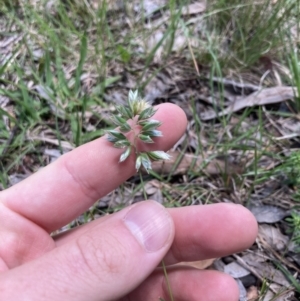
point(150, 224)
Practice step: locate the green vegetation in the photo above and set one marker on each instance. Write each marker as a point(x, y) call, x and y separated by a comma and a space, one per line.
point(65, 67)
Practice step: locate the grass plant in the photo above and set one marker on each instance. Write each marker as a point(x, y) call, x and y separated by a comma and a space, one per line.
point(134, 125)
point(251, 31)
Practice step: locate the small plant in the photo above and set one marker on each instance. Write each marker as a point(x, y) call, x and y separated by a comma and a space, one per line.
point(294, 223)
point(291, 169)
point(134, 124)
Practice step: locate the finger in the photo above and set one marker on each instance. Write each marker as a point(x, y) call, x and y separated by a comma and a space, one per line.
point(112, 260)
point(187, 284)
point(211, 231)
point(21, 240)
point(60, 192)
point(201, 232)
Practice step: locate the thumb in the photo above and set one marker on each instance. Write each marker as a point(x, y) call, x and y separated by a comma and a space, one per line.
point(105, 263)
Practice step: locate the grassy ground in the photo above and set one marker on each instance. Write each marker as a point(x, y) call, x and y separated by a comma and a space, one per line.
point(64, 65)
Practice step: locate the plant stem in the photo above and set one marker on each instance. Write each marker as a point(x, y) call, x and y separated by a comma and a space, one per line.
point(162, 262)
point(167, 280)
point(143, 185)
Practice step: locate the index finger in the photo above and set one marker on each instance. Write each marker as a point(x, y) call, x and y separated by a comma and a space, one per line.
point(60, 192)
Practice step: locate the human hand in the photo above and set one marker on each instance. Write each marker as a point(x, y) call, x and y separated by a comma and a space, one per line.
point(115, 257)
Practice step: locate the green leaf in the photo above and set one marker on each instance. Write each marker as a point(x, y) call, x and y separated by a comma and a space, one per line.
point(117, 120)
point(124, 54)
point(129, 112)
point(126, 154)
point(288, 275)
point(116, 134)
point(111, 138)
point(158, 155)
point(152, 133)
point(138, 163)
point(83, 53)
point(145, 138)
point(122, 143)
point(111, 80)
point(133, 95)
point(125, 128)
point(125, 112)
point(121, 110)
point(147, 113)
point(150, 124)
point(107, 82)
point(145, 161)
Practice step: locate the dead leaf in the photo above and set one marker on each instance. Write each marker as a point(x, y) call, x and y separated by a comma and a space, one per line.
point(268, 214)
point(273, 237)
point(219, 265)
point(151, 187)
point(252, 293)
point(265, 269)
point(290, 126)
point(201, 264)
point(47, 94)
point(194, 8)
point(258, 98)
point(4, 100)
point(53, 154)
point(235, 270)
point(64, 144)
point(281, 294)
point(242, 289)
point(235, 84)
point(16, 178)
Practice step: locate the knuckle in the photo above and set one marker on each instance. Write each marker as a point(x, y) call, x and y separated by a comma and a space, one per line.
point(85, 186)
point(102, 259)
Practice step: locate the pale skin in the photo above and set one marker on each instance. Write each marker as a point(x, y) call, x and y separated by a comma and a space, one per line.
point(104, 260)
